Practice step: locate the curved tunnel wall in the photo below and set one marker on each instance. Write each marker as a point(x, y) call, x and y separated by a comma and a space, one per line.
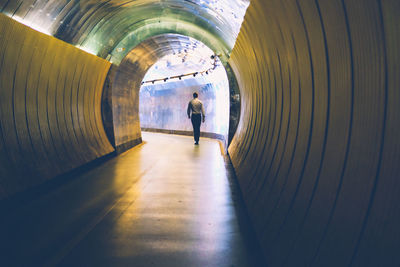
point(50, 117)
point(317, 147)
point(121, 97)
point(316, 151)
point(124, 103)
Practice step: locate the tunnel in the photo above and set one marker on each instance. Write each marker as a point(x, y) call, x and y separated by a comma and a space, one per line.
point(316, 151)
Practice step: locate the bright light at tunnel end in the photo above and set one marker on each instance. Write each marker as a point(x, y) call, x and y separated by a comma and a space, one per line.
point(170, 82)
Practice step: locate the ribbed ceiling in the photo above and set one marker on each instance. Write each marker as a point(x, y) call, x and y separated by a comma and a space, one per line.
point(110, 29)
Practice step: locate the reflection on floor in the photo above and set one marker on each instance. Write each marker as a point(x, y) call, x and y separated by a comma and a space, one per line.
point(163, 203)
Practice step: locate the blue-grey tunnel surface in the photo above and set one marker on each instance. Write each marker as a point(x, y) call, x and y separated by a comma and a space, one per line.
point(163, 203)
point(316, 152)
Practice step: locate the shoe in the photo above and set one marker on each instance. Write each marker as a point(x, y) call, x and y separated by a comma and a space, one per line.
point(196, 143)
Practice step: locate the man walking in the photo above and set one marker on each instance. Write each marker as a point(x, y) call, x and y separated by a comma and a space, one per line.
point(195, 111)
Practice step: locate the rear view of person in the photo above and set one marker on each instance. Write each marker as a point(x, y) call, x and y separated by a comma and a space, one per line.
point(195, 111)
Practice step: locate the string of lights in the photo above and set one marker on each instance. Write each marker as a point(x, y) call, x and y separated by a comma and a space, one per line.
point(194, 74)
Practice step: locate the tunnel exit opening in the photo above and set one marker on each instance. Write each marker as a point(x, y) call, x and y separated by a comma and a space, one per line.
point(169, 84)
point(156, 79)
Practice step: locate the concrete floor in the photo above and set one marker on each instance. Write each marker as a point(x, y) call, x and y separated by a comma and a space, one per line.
point(163, 203)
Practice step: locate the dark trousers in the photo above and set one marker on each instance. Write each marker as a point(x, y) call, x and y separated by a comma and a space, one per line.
point(196, 122)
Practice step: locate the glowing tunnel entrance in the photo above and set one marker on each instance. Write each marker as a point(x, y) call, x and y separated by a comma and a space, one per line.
point(188, 66)
point(169, 68)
